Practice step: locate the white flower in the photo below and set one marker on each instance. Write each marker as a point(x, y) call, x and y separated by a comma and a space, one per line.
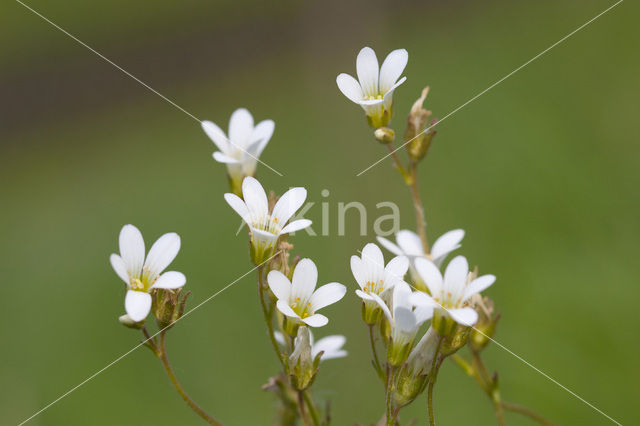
point(298, 300)
point(330, 346)
point(242, 149)
point(372, 275)
point(410, 245)
point(405, 321)
point(450, 294)
point(267, 227)
point(374, 90)
point(140, 275)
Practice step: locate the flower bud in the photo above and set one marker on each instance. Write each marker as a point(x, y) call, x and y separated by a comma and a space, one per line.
point(301, 366)
point(454, 341)
point(485, 328)
point(168, 306)
point(408, 386)
point(128, 322)
point(384, 135)
point(419, 139)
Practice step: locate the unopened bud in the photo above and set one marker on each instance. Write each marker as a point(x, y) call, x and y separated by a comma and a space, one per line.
point(483, 331)
point(168, 306)
point(384, 135)
point(418, 135)
point(301, 365)
point(451, 343)
point(408, 386)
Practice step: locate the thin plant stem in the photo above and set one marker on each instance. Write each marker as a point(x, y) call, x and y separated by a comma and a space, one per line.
point(397, 163)
point(303, 414)
point(376, 361)
point(267, 316)
point(162, 354)
point(490, 387)
point(517, 408)
point(418, 209)
point(311, 407)
point(390, 417)
point(433, 374)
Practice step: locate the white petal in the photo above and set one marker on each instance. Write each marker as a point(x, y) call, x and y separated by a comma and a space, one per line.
point(286, 309)
point(397, 268)
point(464, 316)
point(331, 346)
point(447, 243)
point(240, 128)
point(121, 269)
point(349, 87)
point(254, 197)
point(261, 135)
point(316, 320)
point(170, 279)
point(410, 243)
point(372, 255)
point(478, 285)
point(404, 319)
point(383, 305)
point(162, 253)
point(390, 246)
point(305, 277)
point(222, 158)
point(137, 304)
point(327, 295)
point(288, 204)
point(364, 296)
point(388, 96)
point(216, 135)
point(238, 205)
point(358, 270)
point(132, 249)
point(455, 276)
point(279, 338)
point(367, 68)
point(279, 285)
point(423, 313)
point(392, 68)
point(420, 299)
point(401, 295)
point(296, 226)
point(430, 274)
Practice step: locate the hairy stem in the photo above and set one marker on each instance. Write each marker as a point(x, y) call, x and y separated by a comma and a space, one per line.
point(397, 163)
point(376, 361)
point(516, 408)
point(267, 315)
point(311, 407)
point(433, 374)
point(390, 412)
point(162, 354)
point(421, 223)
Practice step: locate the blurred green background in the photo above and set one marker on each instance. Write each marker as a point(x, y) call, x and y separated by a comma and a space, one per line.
point(542, 172)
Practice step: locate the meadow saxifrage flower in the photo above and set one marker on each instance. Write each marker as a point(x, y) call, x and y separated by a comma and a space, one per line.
point(373, 90)
point(241, 150)
point(267, 226)
point(298, 299)
point(143, 275)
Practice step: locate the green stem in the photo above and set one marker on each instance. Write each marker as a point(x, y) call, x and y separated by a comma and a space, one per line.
point(516, 408)
point(376, 361)
point(390, 418)
point(162, 354)
point(311, 407)
point(397, 163)
point(433, 374)
point(421, 223)
point(267, 315)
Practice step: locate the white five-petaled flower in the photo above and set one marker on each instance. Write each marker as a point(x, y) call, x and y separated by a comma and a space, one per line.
point(405, 317)
point(297, 299)
point(374, 90)
point(371, 274)
point(450, 294)
point(140, 275)
point(410, 245)
point(241, 150)
point(330, 346)
point(267, 226)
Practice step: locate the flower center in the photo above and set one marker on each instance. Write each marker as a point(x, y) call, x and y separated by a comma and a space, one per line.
point(267, 223)
point(373, 97)
point(375, 287)
point(301, 307)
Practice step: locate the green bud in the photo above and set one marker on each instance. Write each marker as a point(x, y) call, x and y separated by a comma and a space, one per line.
point(418, 139)
point(485, 328)
point(301, 367)
point(451, 343)
point(408, 386)
point(168, 306)
point(384, 135)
